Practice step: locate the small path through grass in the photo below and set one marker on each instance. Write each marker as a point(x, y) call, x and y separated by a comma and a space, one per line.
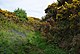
point(19, 33)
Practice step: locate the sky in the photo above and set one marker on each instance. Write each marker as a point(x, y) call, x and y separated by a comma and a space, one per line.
point(34, 8)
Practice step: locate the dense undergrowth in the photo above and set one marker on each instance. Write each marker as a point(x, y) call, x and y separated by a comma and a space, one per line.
point(23, 36)
point(57, 33)
point(62, 26)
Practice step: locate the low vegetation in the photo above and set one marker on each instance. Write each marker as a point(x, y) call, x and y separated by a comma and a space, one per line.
point(23, 37)
point(57, 33)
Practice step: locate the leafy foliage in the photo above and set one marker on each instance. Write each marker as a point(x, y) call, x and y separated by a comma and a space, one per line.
point(62, 2)
point(23, 37)
point(20, 13)
point(58, 30)
point(64, 25)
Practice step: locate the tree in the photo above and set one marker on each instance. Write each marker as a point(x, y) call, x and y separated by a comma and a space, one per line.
point(20, 13)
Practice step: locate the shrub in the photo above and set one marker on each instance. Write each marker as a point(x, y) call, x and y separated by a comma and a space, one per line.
point(20, 13)
point(67, 19)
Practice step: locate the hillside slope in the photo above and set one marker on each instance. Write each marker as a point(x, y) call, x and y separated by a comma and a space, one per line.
point(57, 33)
point(19, 36)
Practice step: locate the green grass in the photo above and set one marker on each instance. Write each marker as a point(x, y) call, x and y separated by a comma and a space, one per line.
point(42, 46)
point(21, 39)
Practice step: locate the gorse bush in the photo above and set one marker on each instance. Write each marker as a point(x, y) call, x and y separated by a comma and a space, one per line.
point(20, 13)
point(58, 30)
point(64, 23)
